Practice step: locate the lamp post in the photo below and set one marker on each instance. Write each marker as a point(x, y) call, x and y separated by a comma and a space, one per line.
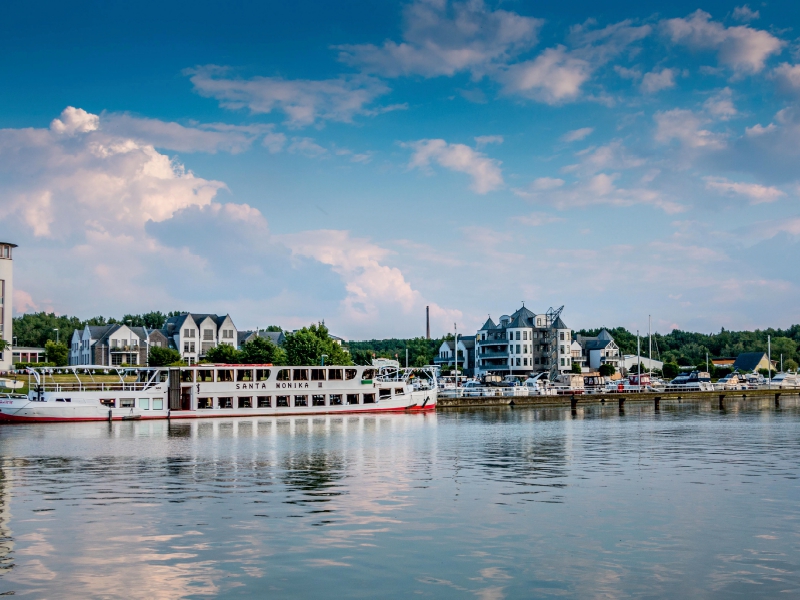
point(324, 356)
point(130, 338)
point(56, 330)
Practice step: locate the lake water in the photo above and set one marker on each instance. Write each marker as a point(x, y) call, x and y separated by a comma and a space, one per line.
point(496, 503)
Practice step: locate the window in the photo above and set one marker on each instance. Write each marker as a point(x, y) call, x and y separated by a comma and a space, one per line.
point(562, 349)
point(318, 400)
point(525, 362)
point(518, 362)
point(202, 403)
point(224, 374)
point(187, 376)
point(246, 402)
point(562, 336)
point(109, 402)
point(351, 374)
point(369, 398)
point(335, 374)
point(225, 402)
point(336, 399)
point(264, 402)
point(318, 374)
point(244, 374)
point(158, 404)
point(205, 375)
point(536, 361)
point(518, 335)
point(300, 375)
point(191, 346)
point(282, 401)
point(227, 334)
point(284, 375)
point(208, 334)
point(524, 335)
point(398, 391)
point(511, 335)
point(190, 333)
point(385, 394)
point(352, 398)
point(517, 352)
point(262, 374)
point(524, 348)
point(562, 362)
point(301, 400)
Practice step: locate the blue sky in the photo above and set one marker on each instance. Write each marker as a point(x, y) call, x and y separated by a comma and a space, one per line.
point(357, 161)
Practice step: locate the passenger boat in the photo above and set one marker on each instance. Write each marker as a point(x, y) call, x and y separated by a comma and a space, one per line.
point(216, 390)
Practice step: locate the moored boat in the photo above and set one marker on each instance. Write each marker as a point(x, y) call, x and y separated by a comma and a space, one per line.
point(216, 390)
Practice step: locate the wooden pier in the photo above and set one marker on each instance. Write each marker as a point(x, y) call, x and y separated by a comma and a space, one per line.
point(656, 399)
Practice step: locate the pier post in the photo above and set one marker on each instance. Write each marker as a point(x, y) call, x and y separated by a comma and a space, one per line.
point(777, 400)
point(622, 405)
point(573, 402)
point(721, 401)
point(657, 403)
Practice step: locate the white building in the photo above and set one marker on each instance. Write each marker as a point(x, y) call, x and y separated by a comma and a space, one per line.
point(600, 350)
point(114, 344)
point(194, 334)
point(523, 343)
point(466, 354)
point(629, 361)
point(6, 309)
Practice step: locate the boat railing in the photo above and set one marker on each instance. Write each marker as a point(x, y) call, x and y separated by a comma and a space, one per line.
point(134, 386)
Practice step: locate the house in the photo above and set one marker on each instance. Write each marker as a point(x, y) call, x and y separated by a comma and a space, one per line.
point(194, 334)
point(600, 350)
point(466, 354)
point(523, 343)
point(752, 361)
point(725, 363)
point(23, 354)
point(115, 344)
point(276, 337)
point(576, 352)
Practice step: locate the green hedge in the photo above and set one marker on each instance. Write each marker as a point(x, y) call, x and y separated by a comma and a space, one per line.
point(23, 365)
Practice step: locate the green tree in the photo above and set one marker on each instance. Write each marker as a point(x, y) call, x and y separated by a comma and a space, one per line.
point(783, 345)
point(277, 328)
point(223, 354)
point(789, 365)
point(670, 370)
point(607, 370)
point(161, 357)
point(262, 351)
point(56, 353)
point(152, 320)
point(306, 347)
point(3, 345)
point(576, 367)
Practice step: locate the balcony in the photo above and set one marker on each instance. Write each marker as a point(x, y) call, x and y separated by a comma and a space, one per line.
point(491, 354)
point(493, 342)
point(124, 349)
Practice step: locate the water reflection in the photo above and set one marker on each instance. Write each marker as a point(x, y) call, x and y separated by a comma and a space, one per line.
point(690, 501)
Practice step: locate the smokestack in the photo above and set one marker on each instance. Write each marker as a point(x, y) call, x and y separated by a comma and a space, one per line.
point(427, 322)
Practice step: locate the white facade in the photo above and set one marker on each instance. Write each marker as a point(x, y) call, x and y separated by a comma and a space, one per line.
point(195, 334)
point(6, 308)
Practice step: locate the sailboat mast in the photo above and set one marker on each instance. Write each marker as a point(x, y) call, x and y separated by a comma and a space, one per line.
point(649, 345)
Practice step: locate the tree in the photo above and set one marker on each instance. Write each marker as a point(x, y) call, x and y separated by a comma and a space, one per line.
point(606, 370)
point(790, 365)
point(306, 347)
point(3, 345)
point(576, 367)
point(57, 354)
point(224, 354)
point(161, 357)
point(262, 351)
point(670, 370)
point(276, 328)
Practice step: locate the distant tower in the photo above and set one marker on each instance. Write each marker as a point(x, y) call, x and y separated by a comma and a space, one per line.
point(6, 294)
point(427, 322)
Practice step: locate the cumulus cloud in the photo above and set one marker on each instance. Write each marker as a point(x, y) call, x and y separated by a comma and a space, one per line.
point(307, 147)
point(745, 14)
point(613, 155)
point(686, 127)
point(483, 140)
point(740, 48)
point(485, 172)
point(444, 38)
point(577, 135)
point(303, 101)
point(788, 78)
point(759, 129)
point(720, 105)
point(655, 81)
point(758, 194)
point(537, 219)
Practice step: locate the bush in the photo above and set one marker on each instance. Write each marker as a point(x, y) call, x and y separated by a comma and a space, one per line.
point(764, 372)
point(24, 365)
point(161, 357)
point(790, 365)
point(576, 367)
point(606, 370)
point(670, 370)
point(223, 354)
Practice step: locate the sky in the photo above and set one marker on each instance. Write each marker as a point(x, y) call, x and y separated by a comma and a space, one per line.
point(355, 162)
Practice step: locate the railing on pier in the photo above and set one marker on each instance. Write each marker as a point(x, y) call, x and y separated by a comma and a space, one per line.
point(134, 386)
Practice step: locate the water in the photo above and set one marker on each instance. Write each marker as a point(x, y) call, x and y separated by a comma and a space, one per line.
point(513, 503)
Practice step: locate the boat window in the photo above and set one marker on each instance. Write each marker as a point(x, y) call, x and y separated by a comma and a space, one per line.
point(318, 400)
point(205, 375)
point(109, 402)
point(144, 403)
point(282, 400)
point(335, 374)
point(352, 398)
point(224, 374)
point(225, 402)
point(385, 394)
point(284, 375)
point(300, 375)
point(369, 398)
point(127, 402)
point(246, 402)
point(244, 374)
point(158, 404)
point(202, 403)
point(350, 373)
point(187, 375)
point(163, 376)
point(264, 402)
point(336, 399)
point(59, 399)
point(368, 374)
point(318, 374)
point(301, 400)
point(398, 391)
point(262, 374)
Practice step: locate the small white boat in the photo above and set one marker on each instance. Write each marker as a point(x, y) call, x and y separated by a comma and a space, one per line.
point(696, 381)
point(785, 381)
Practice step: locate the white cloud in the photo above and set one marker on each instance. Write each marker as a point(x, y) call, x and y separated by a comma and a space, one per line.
point(546, 183)
point(758, 194)
point(304, 101)
point(610, 156)
point(741, 48)
point(485, 172)
point(626, 73)
point(759, 129)
point(537, 219)
point(444, 38)
point(307, 147)
point(274, 142)
point(23, 302)
point(686, 127)
point(553, 77)
point(577, 135)
point(75, 120)
point(483, 140)
point(788, 78)
point(655, 81)
point(745, 14)
point(720, 105)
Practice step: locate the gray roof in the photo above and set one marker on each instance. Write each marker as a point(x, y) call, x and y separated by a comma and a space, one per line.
point(488, 325)
point(277, 337)
point(747, 361)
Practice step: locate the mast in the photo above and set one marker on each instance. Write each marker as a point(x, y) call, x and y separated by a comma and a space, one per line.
point(639, 360)
point(649, 345)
